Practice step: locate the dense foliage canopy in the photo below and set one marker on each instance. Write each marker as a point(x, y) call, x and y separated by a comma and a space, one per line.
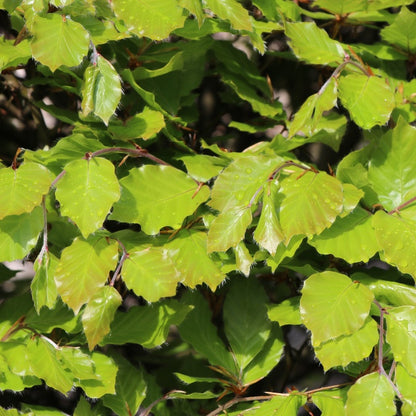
point(218, 197)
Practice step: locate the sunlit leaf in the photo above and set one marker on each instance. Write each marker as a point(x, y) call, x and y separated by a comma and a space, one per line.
point(19, 234)
point(342, 7)
point(369, 99)
point(154, 20)
point(58, 41)
point(351, 238)
point(23, 188)
point(99, 314)
point(371, 394)
point(232, 11)
point(406, 384)
point(348, 348)
point(313, 45)
point(286, 312)
point(330, 403)
point(87, 191)
point(83, 269)
point(101, 92)
point(203, 167)
point(310, 203)
point(332, 305)
point(167, 192)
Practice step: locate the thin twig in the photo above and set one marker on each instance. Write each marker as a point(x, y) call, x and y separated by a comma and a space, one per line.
point(401, 206)
point(53, 184)
point(120, 263)
point(44, 248)
point(134, 152)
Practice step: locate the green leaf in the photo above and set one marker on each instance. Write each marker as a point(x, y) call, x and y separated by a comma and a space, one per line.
point(23, 188)
point(332, 305)
point(203, 167)
point(99, 314)
point(12, 55)
point(143, 125)
point(150, 273)
point(19, 234)
point(313, 45)
point(406, 384)
point(101, 92)
point(168, 192)
point(243, 258)
point(310, 203)
point(330, 403)
point(83, 408)
point(391, 170)
point(268, 233)
point(342, 7)
point(368, 99)
point(198, 330)
point(188, 251)
point(286, 312)
point(83, 270)
point(45, 364)
point(348, 348)
point(280, 406)
point(232, 11)
point(58, 41)
point(370, 395)
point(228, 229)
point(87, 191)
point(351, 238)
point(402, 32)
point(130, 389)
point(155, 321)
point(9, 380)
point(195, 7)
point(308, 116)
point(245, 319)
point(43, 286)
point(154, 20)
point(397, 238)
point(401, 335)
point(267, 358)
point(238, 184)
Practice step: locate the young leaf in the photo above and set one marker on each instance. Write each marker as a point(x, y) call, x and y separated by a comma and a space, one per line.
point(237, 184)
point(286, 312)
point(406, 384)
point(101, 92)
point(203, 167)
point(228, 229)
point(342, 7)
point(99, 314)
point(188, 251)
point(168, 192)
point(150, 273)
point(44, 364)
point(391, 170)
point(232, 11)
point(351, 238)
point(83, 269)
point(268, 233)
point(43, 286)
point(313, 45)
point(87, 191)
point(401, 335)
point(333, 305)
point(155, 321)
point(19, 234)
point(243, 258)
point(310, 203)
point(58, 41)
point(280, 406)
point(245, 319)
point(368, 99)
point(402, 32)
point(348, 348)
point(154, 20)
point(370, 395)
point(23, 188)
point(397, 238)
point(330, 403)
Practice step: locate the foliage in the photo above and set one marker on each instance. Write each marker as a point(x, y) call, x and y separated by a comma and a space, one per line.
point(167, 267)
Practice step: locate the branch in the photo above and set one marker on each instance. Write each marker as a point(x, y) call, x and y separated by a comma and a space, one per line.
point(401, 206)
point(138, 152)
point(120, 263)
point(44, 248)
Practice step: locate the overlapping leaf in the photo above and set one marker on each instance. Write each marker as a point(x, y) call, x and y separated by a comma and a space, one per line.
point(342, 6)
point(368, 99)
point(232, 11)
point(87, 191)
point(154, 20)
point(286, 312)
point(168, 193)
point(311, 202)
point(83, 269)
point(101, 92)
point(351, 238)
point(99, 314)
point(23, 188)
point(58, 41)
point(333, 305)
point(371, 394)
